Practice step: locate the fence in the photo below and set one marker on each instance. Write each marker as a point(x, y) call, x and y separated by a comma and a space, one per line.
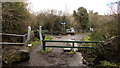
point(26, 38)
point(43, 42)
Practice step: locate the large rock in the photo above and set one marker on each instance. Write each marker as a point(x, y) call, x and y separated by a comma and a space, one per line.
point(111, 49)
point(15, 54)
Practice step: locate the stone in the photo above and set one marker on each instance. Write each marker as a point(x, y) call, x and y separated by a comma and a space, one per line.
point(15, 54)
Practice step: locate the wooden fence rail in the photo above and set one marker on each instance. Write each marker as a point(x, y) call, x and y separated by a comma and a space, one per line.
point(26, 38)
point(17, 35)
point(3, 43)
point(13, 34)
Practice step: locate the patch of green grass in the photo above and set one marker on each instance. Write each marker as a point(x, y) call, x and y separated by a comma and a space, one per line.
point(87, 38)
point(36, 39)
point(97, 36)
point(46, 51)
point(91, 58)
point(48, 37)
point(35, 43)
point(107, 63)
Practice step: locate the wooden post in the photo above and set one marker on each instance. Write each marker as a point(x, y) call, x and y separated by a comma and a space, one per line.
point(40, 35)
point(28, 35)
point(29, 32)
point(24, 40)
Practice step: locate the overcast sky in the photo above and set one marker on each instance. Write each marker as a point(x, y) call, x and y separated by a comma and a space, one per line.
point(99, 6)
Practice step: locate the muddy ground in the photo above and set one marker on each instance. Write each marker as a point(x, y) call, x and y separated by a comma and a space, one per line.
point(57, 57)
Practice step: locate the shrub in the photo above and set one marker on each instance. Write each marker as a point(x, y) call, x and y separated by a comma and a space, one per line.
point(107, 63)
point(48, 38)
point(97, 36)
point(36, 39)
point(35, 43)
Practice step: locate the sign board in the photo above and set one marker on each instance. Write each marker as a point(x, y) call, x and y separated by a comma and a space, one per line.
point(63, 23)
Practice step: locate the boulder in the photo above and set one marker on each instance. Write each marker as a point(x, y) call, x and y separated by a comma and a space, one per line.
point(15, 54)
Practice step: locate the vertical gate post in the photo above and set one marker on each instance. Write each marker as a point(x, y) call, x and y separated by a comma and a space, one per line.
point(29, 32)
point(28, 35)
point(44, 45)
point(40, 35)
point(73, 44)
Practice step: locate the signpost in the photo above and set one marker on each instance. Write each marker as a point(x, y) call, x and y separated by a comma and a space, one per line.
point(63, 27)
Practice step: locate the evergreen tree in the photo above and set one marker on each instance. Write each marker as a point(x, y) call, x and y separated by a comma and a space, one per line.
point(81, 16)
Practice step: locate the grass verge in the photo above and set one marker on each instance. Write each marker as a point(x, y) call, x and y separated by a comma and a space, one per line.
point(46, 51)
point(107, 63)
point(35, 41)
point(48, 37)
point(87, 38)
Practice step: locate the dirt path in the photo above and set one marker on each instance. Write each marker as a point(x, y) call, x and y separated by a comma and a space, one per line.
point(76, 59)
point(57, 57)
point(36, 59)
